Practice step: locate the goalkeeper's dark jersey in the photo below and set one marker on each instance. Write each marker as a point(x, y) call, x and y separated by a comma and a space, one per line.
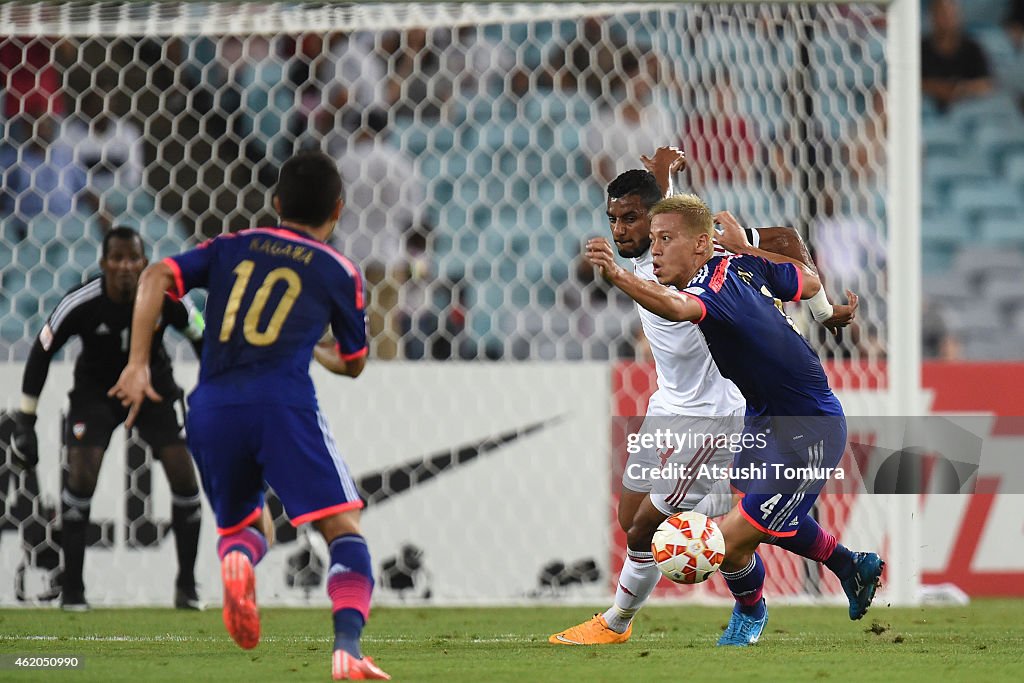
point(104, 326)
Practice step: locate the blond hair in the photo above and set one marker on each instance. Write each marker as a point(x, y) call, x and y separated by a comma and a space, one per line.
point(696, 214)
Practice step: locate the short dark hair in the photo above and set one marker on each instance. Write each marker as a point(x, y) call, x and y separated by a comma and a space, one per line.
point(636, 182)
point(307, 188)
point(122, 232)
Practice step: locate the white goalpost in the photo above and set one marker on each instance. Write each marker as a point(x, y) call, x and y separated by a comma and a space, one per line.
point(476, 141)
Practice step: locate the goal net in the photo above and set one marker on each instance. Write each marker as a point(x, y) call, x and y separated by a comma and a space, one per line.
point(475, 141)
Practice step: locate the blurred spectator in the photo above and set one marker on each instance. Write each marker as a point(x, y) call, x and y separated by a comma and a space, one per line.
point(414, 61)
point(384, 199)
point(384, 195)
point(850, 251)
point(591, 58)
point(636, 125)
point(355, 64)
point(477, 64)
point(1015, 24)
point(590, 320)
point(40, 175)
point(34, 80)
point(864, 151)
point(431, 313)
point(109, 148)
point(1010, 67)
point(953, 66)
point(719, 140)
point(937, 341)
point(337, 76)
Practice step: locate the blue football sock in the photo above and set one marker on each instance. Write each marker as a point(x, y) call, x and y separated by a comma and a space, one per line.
point(350, 584)
point(746, 586)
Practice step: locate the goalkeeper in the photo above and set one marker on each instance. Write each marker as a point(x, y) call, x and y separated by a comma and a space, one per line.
point(100, 314)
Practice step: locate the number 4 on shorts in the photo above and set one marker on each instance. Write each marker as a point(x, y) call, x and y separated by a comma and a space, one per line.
point(769, 505)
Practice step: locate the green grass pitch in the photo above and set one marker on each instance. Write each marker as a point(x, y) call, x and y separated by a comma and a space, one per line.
point(983, 642)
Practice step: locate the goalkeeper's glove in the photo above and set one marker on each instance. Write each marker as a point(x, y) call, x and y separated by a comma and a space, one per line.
point(24, 445)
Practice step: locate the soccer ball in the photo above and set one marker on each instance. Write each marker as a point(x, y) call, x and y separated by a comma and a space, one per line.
point(688, 547)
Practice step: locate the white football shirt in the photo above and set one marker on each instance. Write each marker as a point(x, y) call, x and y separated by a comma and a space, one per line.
point(689, 382)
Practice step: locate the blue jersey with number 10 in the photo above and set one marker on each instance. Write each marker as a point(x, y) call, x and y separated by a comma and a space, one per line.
point(272, 293)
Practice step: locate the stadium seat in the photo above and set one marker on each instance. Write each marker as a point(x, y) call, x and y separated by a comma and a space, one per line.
point(42, 229)
point(997, 198)
point(140, 205)
point(265, 100)
point(1006, 60)
point(930, 113)
point(931, 198)
point(13, 278)
point(1005, 291)
point(12, 325)
point(77, 226)
point(996, 347)
point(945, 228)
point(936, 258)
point(994, 109)
point(998, 141)
point(979, 14)
point(6, 255)
point(947, 288)
point(1014, 170)
point(973, 264)
point(941, 138)
point(978, 320)
point(413, 136)
point(942, 172)
point(27, 254)
point(1000, 230)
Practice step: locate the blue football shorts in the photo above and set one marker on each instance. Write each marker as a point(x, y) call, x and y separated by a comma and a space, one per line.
point(792, 475)
point(240, 449)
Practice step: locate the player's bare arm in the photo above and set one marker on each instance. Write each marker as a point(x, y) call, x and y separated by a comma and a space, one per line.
point(787, 242)
point(656, 298)
point(784, 241)
point(664, 165)
point(326, 353)
point(733, 233)
point(327, 356)
point(669, 161)
point(134, 385)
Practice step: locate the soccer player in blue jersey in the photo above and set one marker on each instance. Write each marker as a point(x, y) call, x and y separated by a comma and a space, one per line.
point(253, 416)
point(793, 418)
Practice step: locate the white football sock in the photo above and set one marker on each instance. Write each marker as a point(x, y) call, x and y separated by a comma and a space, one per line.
point(637, 580)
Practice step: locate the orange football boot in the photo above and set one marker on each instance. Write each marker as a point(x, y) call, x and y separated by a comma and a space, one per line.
point(241, 616)
point(593, 632)
point(345, 667)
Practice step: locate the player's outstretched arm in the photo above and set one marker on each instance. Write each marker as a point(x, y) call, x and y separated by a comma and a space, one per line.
point(784, 241)
point(53, 335)
point(664, 165)
point(736, 236)
point(656, 298)
point(787, 242)
point(134, 386)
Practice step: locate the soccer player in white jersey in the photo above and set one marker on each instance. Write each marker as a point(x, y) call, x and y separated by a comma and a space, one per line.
point(692, 397)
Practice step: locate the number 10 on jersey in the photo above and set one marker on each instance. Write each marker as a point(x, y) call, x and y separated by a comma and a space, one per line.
point(250, 323)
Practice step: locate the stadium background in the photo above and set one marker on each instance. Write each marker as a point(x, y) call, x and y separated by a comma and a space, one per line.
point(481, 139)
